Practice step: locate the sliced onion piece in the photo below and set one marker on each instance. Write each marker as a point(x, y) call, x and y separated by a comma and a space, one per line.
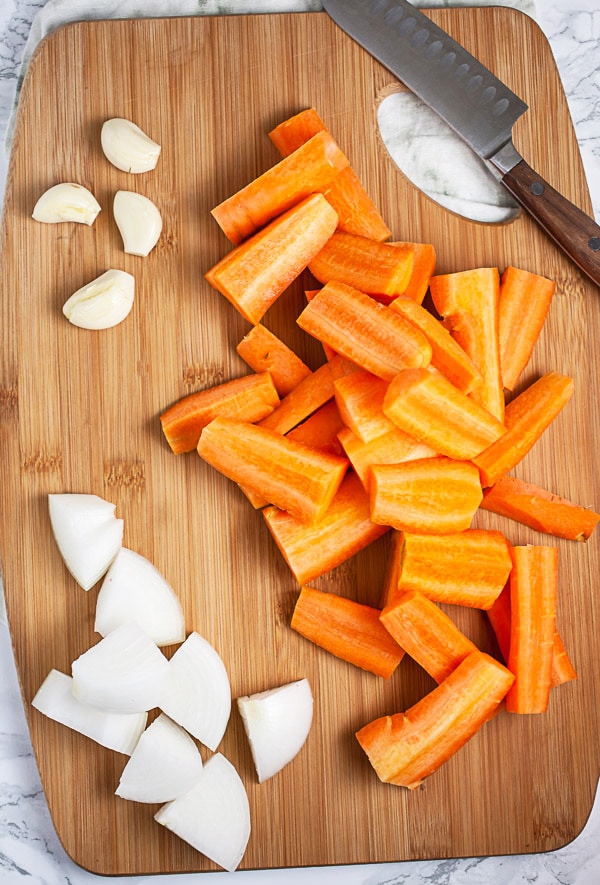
point(214, 815)
point(117, 731)
point(277, 723)
point(125, 672)
point(199, 693)
point(87, 533)
point(139, 222)
point(134, 590)
point(165, 764)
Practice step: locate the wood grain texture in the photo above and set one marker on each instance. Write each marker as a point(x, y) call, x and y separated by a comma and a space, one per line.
point(80, 413)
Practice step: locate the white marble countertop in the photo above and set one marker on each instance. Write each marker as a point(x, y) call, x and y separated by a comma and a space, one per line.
point(29, 848)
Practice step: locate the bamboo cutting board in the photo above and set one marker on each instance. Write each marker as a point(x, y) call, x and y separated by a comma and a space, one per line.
point(80, 413)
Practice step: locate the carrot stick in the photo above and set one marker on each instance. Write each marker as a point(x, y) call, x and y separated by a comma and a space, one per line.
point(423, 269)
point(424, 404)
point(392, 447)
point(308, 170)
point(467, 568)
point(405, 748)
point(526, 418)
point(265, 352)
point(321, 429)
point(363, 331)
point(359, 397)
point(533, 595)
point(372, 267)
point(436, 495)
point(356, 211)
point(539, 509)
point(347, 629)
point(468, 301)
point(426, 633)
point(524, 304)
point(248, 398)
point(311, 393)
point(446, 354)
point(296, 478)
point(311, 550)
point(562, 666)
point(254, 274)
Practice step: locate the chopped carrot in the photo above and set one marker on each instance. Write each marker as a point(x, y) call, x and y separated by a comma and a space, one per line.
point(290, 475)
point(562, 666)
point(527, 416)
point(347, 629)
point(423, 269)
point(311, 550)
point(359, 397)
point(392, 447)
point(368, 265)
point(363, 331)
point(468, 302)
point(321, 429)
point(405, 748)
point(265, 352)
point(437, 495)
point(248, 398)
point(424, 404)
point(254, 274)
point(533, 597)
point(426, 633)
point(524, 304)
point(312, 392)
point(356, 211)
point(446, 354)
point(307, 170)
point(539, 509)
point(467, 568)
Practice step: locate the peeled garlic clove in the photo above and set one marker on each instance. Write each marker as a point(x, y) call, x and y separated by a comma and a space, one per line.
point(138, 220)
point(127, 146)
point(102, 303)
point(67, 201)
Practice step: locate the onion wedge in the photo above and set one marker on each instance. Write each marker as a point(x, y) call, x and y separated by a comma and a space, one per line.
point(277, 723)
point(124, 673)
point(214, 815)
point(165, 763)
point(134, 590)
point(199, 694)
point(87, 533)
point(117, 731)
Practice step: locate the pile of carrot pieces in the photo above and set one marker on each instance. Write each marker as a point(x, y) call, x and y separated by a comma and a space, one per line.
point(403, 428)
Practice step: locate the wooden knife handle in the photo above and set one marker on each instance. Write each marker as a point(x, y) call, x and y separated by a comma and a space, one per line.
point(576, 233)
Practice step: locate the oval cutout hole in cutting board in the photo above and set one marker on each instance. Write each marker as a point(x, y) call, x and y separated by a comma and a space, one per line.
point(435, 159)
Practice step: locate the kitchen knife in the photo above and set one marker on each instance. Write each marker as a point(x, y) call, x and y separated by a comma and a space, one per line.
point(479, 108)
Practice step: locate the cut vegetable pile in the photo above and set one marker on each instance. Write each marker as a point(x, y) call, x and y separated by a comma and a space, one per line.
point(404, 428)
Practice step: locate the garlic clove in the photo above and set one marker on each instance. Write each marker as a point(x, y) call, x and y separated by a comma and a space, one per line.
point(127, 146)
point(66, 201)
point(102, 303)
point(139, 222)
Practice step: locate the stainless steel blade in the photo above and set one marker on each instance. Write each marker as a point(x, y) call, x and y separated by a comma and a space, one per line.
point(478, 106)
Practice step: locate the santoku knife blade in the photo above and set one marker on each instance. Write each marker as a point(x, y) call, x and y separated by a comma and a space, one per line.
point(476, 104)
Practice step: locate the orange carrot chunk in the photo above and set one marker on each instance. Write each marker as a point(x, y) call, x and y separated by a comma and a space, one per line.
point(447, 355)
point(426, 633)
point(310, 394)
point(359, 397)
point(525, 300)
point(468, 301)
point(248, 398)
point(321, 429)
point(392, 447)
point(363, 331)
point(311, 550)
point(436, 495)
point(265, 352)
point(295, 477)
point(424, 404)
point(254, 274)
point(308, 170)
point(347, 629)
point(356, 211)
point(467, 568)
point(539, 509)
point(533, 596)
point(526, 418)
point(423, 269)
point(366, 264)
point(405, 748)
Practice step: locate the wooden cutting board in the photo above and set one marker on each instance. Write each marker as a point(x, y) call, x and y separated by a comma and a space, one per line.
point(80, 413)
